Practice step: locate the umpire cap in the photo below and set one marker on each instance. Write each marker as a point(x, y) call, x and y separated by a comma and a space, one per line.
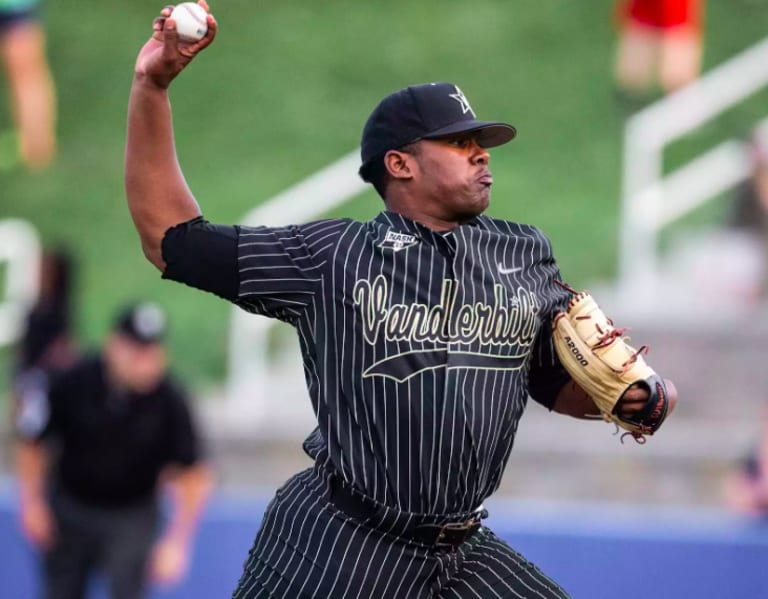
point(426, 111)
point(143, 323)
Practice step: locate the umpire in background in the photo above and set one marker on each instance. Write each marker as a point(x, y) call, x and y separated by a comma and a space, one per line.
point(423, 334)
point(111, 433)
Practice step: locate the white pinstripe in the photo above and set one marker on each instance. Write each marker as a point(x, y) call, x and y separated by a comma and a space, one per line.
point(435, 443)
point(484, 567)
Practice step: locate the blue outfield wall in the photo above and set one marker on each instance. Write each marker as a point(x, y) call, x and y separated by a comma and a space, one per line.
point(594, 551)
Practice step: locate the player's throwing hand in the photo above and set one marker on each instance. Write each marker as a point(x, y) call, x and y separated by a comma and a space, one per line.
point(164, 56)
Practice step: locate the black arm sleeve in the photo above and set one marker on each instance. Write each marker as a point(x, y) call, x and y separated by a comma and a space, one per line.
point(204, 256)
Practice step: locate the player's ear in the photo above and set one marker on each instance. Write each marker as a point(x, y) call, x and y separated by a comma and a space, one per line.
point(399, 164)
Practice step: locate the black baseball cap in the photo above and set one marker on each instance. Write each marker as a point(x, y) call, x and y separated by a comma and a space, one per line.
point(143, 323)
point(426, 111)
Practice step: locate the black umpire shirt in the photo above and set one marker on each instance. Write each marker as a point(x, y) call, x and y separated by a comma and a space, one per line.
point(420, 348)
point(111, 446)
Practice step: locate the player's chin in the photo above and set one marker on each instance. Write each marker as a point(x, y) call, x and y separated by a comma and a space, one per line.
point(470, 212)
point(471, 204)
point(483, 199)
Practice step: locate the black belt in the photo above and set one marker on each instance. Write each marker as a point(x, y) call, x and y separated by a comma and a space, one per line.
point(445, 534)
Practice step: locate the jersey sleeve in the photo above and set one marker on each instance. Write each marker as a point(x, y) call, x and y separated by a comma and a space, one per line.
point(273, 271)
point(184, 442)
point(42, 406)
point(32, 405)
point(547, 375)
point(280, 268)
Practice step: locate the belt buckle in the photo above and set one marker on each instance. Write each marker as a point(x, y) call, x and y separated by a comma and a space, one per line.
point(457, 532)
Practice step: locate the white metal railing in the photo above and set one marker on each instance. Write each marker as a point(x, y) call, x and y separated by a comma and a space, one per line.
point(20, 255)
point(251, 375)
point(651, 200)
point(257, 387)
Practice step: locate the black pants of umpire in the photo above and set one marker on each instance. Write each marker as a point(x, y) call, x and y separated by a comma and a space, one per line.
point(308, 548)
point(114, 542)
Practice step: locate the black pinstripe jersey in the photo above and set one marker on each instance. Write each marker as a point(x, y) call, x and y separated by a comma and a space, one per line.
point(420, 348)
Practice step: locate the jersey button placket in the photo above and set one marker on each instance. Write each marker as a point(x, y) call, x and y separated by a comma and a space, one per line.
point(449, 243)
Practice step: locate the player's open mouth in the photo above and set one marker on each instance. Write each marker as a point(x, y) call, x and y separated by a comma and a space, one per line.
point(486, 179)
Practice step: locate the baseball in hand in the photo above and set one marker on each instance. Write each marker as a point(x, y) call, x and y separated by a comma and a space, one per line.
point(190, 21)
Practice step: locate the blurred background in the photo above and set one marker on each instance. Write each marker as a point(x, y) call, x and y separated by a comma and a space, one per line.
point(652, 192)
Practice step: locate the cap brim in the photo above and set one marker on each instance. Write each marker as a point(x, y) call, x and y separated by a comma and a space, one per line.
point(489, 134)
point(139, 339)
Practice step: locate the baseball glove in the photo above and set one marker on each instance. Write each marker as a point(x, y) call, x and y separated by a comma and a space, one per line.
point(599, 360)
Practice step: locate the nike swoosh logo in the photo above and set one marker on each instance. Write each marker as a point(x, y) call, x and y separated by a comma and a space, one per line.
point(508, 271)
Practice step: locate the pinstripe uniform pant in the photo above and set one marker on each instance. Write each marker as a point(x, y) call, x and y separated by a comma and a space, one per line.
point(307, 548)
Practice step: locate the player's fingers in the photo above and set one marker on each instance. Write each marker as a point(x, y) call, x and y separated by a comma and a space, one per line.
point(204, 4)
point(159, 22)
point(170, 41)
point(631, 405)
point(157, 29)
point(633, 400)
point(636, 392)
point(209, 36)
point(213, 27)
point(671, 393)
point(629, 410)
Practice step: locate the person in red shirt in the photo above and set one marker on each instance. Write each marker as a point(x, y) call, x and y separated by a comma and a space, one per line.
point(660, 44)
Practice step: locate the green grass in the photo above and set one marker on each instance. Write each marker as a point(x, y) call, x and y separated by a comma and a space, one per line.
point(285, 90)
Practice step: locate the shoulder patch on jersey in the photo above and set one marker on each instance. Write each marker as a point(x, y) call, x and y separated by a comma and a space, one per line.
point(32, 409)
point(398, 241)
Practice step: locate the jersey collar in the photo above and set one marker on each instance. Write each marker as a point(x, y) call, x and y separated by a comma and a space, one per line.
point(405, 224)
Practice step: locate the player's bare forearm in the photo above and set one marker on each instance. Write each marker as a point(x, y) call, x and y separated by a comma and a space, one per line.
point(157, 193)
point(574, 401)
point(190, 488)
point(37, 522)
point(31, 468)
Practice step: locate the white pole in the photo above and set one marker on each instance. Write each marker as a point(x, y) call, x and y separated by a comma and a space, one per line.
point(637, 232)
point(20, 250)
point(646, 135)
point(251, 393)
